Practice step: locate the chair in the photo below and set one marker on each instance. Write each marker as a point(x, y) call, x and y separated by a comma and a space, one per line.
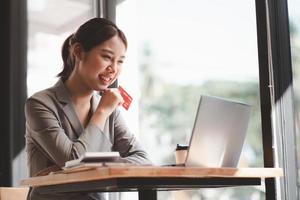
point(13, 193)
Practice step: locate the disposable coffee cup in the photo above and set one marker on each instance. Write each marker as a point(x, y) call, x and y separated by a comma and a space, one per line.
point(180, 153)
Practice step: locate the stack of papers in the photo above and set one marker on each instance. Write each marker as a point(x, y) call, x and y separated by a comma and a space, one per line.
point(94, 157)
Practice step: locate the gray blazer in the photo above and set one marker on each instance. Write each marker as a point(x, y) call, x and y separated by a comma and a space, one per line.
point(55, 135)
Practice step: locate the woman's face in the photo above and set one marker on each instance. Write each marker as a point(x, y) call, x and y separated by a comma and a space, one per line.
point(100, 67)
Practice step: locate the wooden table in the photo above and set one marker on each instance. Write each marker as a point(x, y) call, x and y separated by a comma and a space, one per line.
point(147, 180)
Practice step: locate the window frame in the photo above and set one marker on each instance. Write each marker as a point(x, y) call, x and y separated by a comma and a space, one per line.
point(277, 108)
point(13, 87)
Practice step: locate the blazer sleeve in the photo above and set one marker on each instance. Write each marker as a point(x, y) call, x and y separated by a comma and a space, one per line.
point(126, 143)
point(44, 128)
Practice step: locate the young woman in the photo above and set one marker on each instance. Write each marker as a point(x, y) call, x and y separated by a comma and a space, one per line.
point(70, 118)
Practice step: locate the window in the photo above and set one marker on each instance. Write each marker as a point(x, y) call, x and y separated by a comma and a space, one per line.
point(294, 19)
point(49, 23)
point(177, 51)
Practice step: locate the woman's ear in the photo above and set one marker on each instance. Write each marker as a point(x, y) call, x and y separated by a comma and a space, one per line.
point(77, 51)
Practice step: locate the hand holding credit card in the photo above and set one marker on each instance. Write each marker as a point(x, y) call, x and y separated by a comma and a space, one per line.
point(127, 98)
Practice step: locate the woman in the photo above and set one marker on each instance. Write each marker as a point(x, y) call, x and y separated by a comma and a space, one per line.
point(70, 118)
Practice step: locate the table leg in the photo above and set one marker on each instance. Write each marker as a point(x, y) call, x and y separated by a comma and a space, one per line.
point(270, 186)
point(147, 195)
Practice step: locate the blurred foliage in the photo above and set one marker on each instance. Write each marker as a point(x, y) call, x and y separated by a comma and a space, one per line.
point(172, 107)
point(169, 109)
point(175, 109)
point(295, 51)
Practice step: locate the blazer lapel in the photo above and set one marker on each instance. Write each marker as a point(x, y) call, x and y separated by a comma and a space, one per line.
point(95, 101)
point(62, 94)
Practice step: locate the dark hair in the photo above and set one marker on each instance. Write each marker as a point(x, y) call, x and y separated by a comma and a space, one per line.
point(90, 34)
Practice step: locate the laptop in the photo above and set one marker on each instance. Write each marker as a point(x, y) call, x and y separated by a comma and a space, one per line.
point(218, 134)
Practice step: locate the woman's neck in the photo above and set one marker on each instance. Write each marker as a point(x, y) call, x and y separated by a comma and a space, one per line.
point(80, 95)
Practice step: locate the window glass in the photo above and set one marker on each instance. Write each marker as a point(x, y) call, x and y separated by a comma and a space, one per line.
point(294, 22)
point(177, 51)
point(49, 23)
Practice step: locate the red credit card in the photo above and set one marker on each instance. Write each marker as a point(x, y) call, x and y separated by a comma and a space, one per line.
point(127, 98)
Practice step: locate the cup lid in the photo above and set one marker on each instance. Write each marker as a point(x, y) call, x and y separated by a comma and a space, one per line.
point(181, 147)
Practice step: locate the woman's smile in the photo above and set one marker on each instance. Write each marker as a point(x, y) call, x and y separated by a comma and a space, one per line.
point(105, 79)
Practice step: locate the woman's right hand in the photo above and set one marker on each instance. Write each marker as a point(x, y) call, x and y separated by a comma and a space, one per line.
point(110, 100)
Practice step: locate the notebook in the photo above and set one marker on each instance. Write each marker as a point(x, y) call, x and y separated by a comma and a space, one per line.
point(93, 158)
point(218, 134)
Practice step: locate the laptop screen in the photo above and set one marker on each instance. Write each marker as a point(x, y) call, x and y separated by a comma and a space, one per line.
point(218, 134)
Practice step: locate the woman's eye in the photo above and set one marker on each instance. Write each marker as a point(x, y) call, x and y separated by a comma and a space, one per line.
point(120, 61)
point(107, 57)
